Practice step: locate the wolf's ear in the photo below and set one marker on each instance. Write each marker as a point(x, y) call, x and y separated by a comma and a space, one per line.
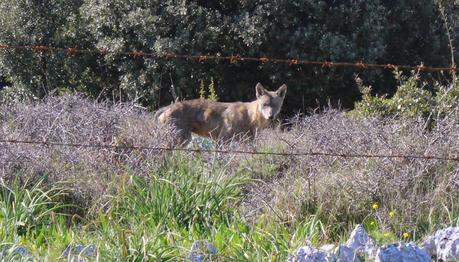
point(282, 90)
point(260, 90)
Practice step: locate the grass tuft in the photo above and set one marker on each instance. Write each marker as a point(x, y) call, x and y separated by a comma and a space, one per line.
point(133, 204)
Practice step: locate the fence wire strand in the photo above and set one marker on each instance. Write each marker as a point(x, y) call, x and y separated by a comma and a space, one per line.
point(190, 150)
point(72, 51)
point(232, 59)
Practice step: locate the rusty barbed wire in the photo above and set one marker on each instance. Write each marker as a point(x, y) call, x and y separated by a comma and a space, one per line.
point(235, 58)
point(297, 154)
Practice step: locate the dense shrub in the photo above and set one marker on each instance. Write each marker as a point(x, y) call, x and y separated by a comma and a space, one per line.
point(383, 31)
point(413, 98)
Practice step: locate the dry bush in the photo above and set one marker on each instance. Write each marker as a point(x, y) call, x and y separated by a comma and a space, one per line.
point(421, 192)
point(91, 171)
point(287, 188)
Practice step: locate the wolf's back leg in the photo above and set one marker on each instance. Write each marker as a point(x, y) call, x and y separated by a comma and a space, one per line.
point(181, 134)
point(183, 137)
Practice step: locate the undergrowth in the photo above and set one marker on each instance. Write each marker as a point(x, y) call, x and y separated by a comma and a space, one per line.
point(143, 204)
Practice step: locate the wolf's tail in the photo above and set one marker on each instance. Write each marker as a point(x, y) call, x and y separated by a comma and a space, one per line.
point(158, 113)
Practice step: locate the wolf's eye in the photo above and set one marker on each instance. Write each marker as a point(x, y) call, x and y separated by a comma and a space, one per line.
point(265, 104)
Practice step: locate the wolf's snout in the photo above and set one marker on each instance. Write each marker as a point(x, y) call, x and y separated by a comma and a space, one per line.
point(271, 117)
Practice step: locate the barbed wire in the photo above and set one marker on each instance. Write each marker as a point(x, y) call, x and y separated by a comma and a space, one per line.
point(71, 51)
point(231, 59)
point(305, 153)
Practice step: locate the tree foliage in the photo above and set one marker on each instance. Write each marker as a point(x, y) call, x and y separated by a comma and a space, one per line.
point(411, 99)
point(380, 31)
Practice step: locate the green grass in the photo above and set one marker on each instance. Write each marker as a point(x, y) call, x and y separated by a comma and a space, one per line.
point(156, 218)
point(159, 216)
point(138, 205)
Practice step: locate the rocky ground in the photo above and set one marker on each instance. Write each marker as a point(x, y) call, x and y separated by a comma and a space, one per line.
point(441, 246)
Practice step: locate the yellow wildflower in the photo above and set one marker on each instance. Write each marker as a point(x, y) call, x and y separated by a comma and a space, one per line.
point(406, 234)
point(374, 205)
point(392, 214)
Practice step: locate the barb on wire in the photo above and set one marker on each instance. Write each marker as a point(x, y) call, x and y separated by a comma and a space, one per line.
point(390, 66)
point(169, 54)
point(203, 58)
point(293, 62)
point(264, 60)
point(305, 153)
point(72, 51)
point(234, 59)
point(327, 64)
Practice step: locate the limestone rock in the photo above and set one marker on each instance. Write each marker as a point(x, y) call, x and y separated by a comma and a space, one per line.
point(444, 244)
point(401, 252)
point(346, 254)
point(202, 250)
point(79, 253)
point(13, 253)
point(329, 248)
point(361, 242)
point(310, 254)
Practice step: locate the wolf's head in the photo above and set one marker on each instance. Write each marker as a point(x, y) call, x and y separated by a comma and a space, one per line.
point(270, 102)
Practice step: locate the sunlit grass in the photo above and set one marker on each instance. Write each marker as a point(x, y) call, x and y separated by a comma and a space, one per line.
point(154, 218)
point(135, 205)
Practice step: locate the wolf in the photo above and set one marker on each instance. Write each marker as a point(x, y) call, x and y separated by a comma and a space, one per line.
point(222, 121)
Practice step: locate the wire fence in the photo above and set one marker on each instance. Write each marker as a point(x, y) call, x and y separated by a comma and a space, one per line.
point(290, 154)
point(71, 51)
point(232, 59)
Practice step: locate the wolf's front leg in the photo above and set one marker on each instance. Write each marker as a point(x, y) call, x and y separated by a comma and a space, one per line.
point(251, 135)
point(184, 137)
point(225, 135)
point(180, 137)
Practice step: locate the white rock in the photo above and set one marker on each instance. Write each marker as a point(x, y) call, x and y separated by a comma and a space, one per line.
point(429, 246)
point(361, 242)
point(310, 254)
point(346, 254)
point(402, 253)
point(202, 250)
point(444, 244)
point(327, 248)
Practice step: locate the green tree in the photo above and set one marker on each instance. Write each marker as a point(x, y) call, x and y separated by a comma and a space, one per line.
point(34, 23)
point(380, 31)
